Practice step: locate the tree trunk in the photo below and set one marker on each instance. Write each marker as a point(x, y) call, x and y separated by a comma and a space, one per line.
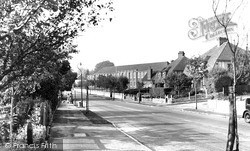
point(195, 95)
point(110, 94)
point(231, 126)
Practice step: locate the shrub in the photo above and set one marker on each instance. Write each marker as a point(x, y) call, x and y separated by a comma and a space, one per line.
point(157, 92)
point(223, 82)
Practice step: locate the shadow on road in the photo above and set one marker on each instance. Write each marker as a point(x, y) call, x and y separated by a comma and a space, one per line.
point(95, 118)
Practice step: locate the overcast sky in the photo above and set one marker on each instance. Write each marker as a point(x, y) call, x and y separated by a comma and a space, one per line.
point(145, 31)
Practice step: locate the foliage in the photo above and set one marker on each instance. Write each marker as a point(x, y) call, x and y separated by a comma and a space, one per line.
point(196, 68)
point(112, 83)
point(36, 39)
point(223, 82)
point(122, 84)
point(36, 34)
point(103, 64)
point(139, 85)
point(92, 82)
point(4, 131)
point(242, 67)
point(38, 132)
point(157, 92)
point(213, 76)
point(178, 81)
point(101, 81)
point(68, 80)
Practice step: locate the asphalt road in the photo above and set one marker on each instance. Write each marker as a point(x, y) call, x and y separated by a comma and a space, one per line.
point(168, 129)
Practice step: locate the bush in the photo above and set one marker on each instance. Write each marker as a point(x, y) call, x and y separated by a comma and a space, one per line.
point(157, 92)
point(223, 82)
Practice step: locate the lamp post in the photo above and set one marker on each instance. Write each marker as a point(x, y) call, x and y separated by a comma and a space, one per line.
point(87, 92)
point(81, 84)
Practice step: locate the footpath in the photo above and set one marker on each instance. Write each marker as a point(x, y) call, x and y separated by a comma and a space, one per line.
point(75, 130)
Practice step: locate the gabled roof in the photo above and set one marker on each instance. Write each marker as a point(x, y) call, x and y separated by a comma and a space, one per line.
point(157, 66)
point(213, 54)
point(178, 65)
point(217, 54)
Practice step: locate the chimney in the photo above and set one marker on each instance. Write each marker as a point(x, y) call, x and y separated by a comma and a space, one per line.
point(181, 54)
point(150, 70)
point(222, 40)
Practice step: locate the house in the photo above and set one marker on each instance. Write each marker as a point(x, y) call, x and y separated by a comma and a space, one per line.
point(220, 56)
point(178, 65)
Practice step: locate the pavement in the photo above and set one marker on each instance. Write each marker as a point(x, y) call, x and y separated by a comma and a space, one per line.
point(75, 130)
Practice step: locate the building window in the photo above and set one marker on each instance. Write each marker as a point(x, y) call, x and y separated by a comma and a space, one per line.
point(229, 67)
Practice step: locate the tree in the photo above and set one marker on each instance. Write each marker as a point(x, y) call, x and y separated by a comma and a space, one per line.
point(111, 84)
point(139, 86)
point(178, 81)
point(52, 82)
point(101, 81)
point(122, 84)
point(223, 82)
point(68, 80)
point(103, 64)
point(213, 76)
point(36, 33)
point(242, 67)
point(225, 21)
point(197, 70)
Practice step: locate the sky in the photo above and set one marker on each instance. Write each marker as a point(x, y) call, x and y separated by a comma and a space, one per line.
point(145, 31)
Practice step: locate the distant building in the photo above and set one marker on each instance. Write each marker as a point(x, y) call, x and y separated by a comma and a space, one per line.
point(135, 73)
point(151, 74)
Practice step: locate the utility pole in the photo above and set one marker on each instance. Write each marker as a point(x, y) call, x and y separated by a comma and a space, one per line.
point(87, 98)
point(81, 92)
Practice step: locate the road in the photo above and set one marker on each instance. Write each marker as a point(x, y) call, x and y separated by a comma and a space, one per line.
point(168, 129)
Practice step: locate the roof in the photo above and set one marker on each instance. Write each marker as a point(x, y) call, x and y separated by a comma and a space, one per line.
point(178, 65)
point(218, 53)
point(157, 66)
point(214, 53)
point(145, 78)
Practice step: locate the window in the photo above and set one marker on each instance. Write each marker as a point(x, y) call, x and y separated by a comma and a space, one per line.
point(248, 101)
point(229, 67)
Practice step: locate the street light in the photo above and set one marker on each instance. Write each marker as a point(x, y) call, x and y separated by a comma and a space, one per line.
point(81, 105)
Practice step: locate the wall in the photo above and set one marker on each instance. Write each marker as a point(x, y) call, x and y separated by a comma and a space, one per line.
point(222, 106)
